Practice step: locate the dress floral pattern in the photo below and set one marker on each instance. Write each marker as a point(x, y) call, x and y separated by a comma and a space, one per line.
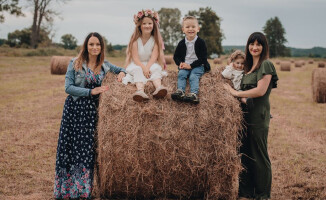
point(75, 151)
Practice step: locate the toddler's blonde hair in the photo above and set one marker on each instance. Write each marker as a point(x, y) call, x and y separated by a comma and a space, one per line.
point(237, 53)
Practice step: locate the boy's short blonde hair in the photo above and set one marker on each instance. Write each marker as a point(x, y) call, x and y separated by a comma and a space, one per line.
point(189, 18)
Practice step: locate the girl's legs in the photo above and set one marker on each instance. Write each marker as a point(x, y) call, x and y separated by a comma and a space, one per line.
point(140, 86)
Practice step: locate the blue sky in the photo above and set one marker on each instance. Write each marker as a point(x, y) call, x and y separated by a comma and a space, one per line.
point(303, 20)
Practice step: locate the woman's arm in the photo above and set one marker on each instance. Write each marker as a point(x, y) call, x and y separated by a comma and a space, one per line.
point(70, 86)
point(258, 91)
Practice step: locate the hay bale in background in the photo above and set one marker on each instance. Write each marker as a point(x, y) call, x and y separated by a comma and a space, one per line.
point(311, 62)
point(217, 61)
point(59, 64)
point(298, 64)
point(277, 62)
point(169, 59)
point(285, 66)
point(167, 149)
point(292, 61)
point(319, 85)
point(321, 64)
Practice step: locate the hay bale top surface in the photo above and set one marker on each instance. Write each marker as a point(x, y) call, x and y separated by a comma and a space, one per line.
point(166, 149)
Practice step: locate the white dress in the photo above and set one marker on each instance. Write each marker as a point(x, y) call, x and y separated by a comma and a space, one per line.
point(135, 73)
point(234, 75)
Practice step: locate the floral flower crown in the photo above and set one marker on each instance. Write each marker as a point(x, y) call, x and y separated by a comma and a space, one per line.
point(146, 13)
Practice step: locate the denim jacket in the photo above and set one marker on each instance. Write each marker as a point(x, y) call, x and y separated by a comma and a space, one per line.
point(75, 80)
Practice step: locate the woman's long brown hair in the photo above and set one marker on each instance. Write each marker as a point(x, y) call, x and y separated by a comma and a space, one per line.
point(83, 55)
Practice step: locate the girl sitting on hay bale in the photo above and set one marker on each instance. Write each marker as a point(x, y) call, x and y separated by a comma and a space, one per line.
point(75, 151)
point(145, 56)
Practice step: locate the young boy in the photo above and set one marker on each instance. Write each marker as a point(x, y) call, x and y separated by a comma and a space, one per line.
point(191, 58)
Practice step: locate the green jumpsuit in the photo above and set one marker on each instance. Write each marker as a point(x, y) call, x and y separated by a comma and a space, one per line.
point(255, 180)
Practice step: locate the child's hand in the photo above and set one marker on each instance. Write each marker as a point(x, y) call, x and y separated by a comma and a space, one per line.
point(181, 65)
point(146, 72)
point(243, 100)
point(186, 66)
point(120, 76)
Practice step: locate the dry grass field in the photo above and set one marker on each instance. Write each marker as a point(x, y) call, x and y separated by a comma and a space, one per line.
point(31, 104)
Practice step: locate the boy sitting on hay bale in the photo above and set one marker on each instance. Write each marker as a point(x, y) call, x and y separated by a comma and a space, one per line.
point(191, 58)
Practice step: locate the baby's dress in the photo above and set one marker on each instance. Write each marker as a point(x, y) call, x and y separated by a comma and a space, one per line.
point(234, 75)
point(135, 73)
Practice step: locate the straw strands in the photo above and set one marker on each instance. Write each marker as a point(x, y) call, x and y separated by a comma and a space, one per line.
point(167, 149)
point(319, 85)
point(59, 64)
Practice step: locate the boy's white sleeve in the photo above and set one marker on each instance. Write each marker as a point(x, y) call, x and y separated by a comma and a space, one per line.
point(227, 72)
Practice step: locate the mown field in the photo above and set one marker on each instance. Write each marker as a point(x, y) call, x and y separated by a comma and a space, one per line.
point(31, 104)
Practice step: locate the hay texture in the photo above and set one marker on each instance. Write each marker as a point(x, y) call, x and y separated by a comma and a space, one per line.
point(169, 59)
point(285, 66)
point(298, 64)
point(319, 85)
point(321, 64)
point(59, 64)
point(217, 61)
point(167, 149)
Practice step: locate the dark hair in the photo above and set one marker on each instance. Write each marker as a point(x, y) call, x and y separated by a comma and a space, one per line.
point(83, 54)
point(261, 39)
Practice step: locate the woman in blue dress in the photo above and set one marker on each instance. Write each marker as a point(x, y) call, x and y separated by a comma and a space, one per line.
point(76, 146)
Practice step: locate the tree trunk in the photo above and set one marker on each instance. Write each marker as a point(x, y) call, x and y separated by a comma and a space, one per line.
point(34, 26)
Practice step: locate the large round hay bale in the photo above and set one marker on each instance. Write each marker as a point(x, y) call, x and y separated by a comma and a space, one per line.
point(319, 85)
point(168, 59)
point(59, 64)
point(311, 62)
point(285, 66)
point(298, 63)
point(321, 64)
point(167, 149)
point(217, 61)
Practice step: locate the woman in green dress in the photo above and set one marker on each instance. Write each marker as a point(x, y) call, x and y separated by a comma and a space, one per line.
point(259, 79)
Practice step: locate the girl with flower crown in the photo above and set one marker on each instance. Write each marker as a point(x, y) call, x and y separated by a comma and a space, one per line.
point(144, 59)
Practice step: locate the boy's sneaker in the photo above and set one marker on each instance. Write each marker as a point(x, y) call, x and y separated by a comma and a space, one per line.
point(140, 96)
point(160, 92)
point(192, 98)
point(178, 95)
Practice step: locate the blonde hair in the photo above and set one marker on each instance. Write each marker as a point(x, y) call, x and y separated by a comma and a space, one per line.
point(189, 18)
point(236, 54)
point(83, 54)
point(137, 33)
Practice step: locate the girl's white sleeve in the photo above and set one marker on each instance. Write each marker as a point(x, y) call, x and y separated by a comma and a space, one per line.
point(227, 72)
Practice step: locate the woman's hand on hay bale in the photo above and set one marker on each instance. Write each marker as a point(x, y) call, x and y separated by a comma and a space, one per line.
point(230, 89)
point(99, 90)
point(120, 76)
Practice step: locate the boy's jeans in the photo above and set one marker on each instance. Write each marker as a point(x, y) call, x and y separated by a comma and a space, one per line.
point(194, 77)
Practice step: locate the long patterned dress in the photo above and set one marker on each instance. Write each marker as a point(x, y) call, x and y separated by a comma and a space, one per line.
point(75, 151)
